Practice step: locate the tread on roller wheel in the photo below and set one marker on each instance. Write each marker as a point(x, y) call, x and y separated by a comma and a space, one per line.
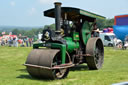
point(47, 58)
point(95, 48)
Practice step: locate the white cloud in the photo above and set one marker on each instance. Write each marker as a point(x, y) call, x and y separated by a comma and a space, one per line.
point(12, 3)
point(32, 11)
point(47, 1)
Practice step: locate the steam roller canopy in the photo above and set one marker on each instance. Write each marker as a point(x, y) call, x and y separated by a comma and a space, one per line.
point(40, 62)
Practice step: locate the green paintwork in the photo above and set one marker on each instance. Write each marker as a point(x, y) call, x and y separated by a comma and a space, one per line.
point(62, 47)
point(75, 36)
point(89, 14)
point(73, 13)
point(38, 45)
point(86, 32)
point(71, 45)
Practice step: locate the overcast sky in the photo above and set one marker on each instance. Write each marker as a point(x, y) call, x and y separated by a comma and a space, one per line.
point(30, 12)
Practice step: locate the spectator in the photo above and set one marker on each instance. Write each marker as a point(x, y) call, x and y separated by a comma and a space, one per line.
point(10, 41)
point(2, 42)
point(22, 44)
point(15, 42)
point(26, 41)
point(30, 42)
point(126, 41)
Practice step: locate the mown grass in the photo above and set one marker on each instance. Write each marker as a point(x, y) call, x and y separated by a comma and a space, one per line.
point(12, 72)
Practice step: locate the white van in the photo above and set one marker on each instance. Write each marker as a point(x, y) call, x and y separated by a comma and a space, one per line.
point(107, 38)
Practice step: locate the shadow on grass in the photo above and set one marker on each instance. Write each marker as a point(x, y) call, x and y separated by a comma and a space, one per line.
point(32, 78)
point(22, 70)
point(25, 77)
point(29, 77)
point(79, 68)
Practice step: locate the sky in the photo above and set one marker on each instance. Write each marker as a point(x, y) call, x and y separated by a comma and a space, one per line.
point(30, 12)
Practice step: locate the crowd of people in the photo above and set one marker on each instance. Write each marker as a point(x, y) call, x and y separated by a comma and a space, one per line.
point(15, 42)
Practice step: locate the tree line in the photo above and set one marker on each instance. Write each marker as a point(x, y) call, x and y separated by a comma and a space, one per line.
point(101, 24)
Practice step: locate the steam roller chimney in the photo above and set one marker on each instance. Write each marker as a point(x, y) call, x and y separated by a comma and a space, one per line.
point(57, 16)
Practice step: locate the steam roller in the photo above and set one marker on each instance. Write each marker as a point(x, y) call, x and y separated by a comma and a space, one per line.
point(72, 43)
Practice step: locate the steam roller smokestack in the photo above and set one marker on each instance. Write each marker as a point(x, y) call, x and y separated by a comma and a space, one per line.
point(57, 16)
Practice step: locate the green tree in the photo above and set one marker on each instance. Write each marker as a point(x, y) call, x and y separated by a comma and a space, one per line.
point(15, 31)
point(105, 23)
point(109, 23)
point(52, 26)
point(100, 23)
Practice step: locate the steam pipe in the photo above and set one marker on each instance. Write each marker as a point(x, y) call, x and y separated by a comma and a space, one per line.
point(57, 15)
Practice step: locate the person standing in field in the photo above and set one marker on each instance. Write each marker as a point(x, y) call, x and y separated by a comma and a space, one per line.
point(26, 41)
point(30, 42)
point(10, 41)
point(15, 42)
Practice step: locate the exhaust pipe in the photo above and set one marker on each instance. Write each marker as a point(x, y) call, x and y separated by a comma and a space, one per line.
point(57, 16)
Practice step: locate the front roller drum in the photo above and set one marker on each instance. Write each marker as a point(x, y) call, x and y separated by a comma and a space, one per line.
point(95, 49)
point(40, 62)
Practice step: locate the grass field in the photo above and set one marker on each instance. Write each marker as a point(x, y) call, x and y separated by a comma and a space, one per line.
point(12, 72)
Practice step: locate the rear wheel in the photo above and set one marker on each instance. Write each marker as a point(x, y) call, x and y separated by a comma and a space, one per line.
point(95, 49)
